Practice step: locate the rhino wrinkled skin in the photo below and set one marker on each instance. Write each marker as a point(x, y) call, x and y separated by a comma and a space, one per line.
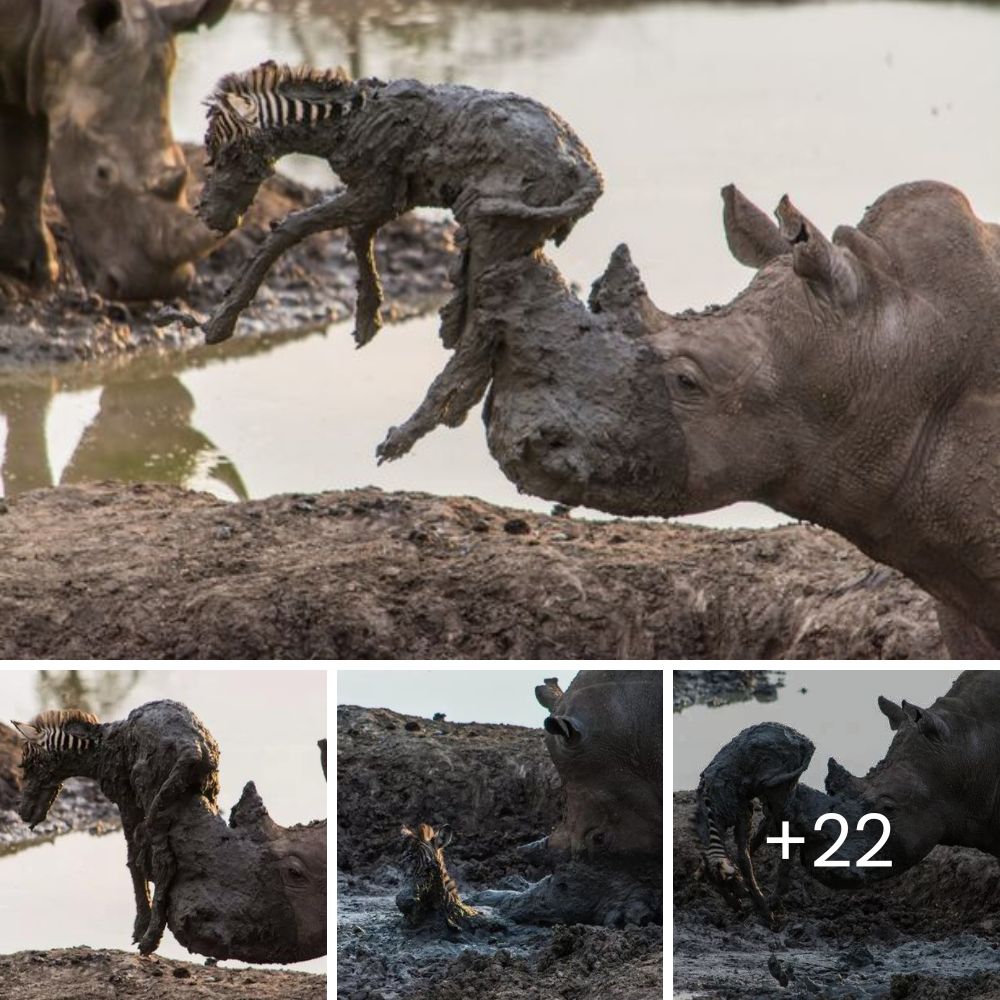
point(939, 783)
point(605, 737)
point(84, 88)
point(855, 383)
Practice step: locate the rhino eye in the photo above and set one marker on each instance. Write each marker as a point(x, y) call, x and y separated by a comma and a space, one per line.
point(687, 382)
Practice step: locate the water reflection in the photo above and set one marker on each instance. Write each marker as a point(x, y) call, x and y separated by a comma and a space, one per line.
point(97, 691)
point(422, 28)
point(143, 430)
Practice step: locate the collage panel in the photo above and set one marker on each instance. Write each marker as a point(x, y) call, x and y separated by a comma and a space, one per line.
point(499, 833)
point(836, 834)
point(163, 834)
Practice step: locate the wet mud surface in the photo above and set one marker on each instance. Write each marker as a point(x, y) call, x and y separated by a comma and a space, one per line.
point(104, 974)
point(721, 687)
point(151, 571)
point(310, 286)
point(497, 788)
point(930, 933)
point(79, 807)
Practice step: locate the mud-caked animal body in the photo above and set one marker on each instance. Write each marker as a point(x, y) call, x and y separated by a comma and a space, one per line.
point(84, 88)
point(513, 173)
point(432, 893)
point(147, 764)
point(763, 762)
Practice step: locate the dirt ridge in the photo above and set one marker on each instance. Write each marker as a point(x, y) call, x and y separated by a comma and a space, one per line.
point(108, 570)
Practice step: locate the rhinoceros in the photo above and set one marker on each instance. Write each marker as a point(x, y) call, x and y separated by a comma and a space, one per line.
point(939, 783)
point(84, 88)
point(605, 737)
point(855, 384)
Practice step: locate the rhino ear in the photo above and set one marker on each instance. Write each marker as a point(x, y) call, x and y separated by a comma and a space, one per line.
point(563, 726)
point(548, 693)
point(753, 238)
point(189, 15)
point(892, 712)
point(829, 269)
point(929, 724)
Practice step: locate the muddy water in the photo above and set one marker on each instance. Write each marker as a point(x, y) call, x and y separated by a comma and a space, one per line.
point(78, 886)
point(838, 712)
point(833, 102)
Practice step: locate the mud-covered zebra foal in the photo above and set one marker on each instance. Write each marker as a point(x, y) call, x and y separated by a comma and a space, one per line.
point(513, 173)
point(431, 893)
point(763, 762)
point(147, 764)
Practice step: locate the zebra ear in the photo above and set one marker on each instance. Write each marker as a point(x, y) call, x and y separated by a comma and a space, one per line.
point(443, 837)
point(30, 733)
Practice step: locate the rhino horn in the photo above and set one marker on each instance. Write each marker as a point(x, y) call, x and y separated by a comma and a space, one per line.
point(753, 238)
point(840, 781)
point(928, 723)
point(827, 267)
point(621, 287)
point(892, 712)
point(251, 815)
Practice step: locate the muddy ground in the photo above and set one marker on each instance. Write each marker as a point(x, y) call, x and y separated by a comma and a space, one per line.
point(497, 788)
point(104, 974)
point(156, 571)
point(312, 285)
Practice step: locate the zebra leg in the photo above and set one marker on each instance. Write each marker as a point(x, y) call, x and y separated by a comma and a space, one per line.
point(746, 866)
point(135, 838)
point(367, 314)
point(348, 210)
point(164, 869)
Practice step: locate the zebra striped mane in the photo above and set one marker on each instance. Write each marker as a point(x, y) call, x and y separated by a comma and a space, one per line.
point(55, 718)
point(271, 94)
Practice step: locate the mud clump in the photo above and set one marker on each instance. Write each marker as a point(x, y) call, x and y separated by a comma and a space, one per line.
point(311, 286)
point(153, 571)
point(99, 974)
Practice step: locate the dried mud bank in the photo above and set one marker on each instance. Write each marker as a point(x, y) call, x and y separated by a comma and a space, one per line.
point(156, 571)
point(497, 788)
point(102, 974)
point(928, 934)
point(309, 287)
point(79, 807)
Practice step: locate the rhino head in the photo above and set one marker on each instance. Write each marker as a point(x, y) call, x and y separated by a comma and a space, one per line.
point(936, 785)
point(605, 737)
point(252, 890)
point(838, 387)
point(100, 73)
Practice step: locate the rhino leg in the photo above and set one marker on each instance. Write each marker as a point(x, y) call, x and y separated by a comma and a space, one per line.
point(26, 250)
